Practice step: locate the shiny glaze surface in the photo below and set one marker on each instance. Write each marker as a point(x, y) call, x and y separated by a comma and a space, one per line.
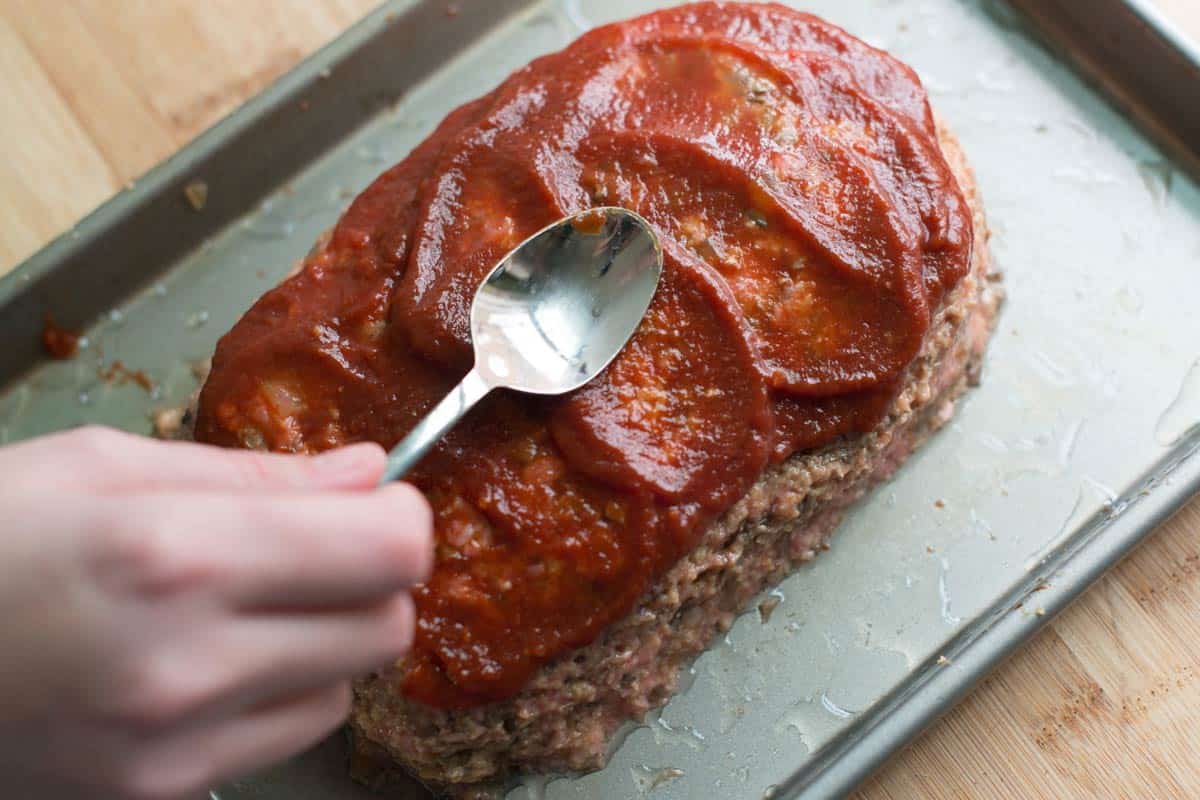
point(810, 227)
point(553, 313)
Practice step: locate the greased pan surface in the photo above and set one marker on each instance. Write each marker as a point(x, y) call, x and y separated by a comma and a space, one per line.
point(1077, 443)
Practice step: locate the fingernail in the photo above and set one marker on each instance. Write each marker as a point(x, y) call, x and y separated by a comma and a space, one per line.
point(354, 466)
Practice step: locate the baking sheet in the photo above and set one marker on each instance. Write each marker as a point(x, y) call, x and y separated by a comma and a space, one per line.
point(1074, 446)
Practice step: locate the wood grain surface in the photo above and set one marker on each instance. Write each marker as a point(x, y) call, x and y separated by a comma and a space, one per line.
point(1104, 702)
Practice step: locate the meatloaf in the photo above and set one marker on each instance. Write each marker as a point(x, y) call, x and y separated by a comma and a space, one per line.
point(826, 297)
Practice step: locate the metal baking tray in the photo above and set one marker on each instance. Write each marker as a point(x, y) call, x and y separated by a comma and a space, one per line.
point(1079, 441)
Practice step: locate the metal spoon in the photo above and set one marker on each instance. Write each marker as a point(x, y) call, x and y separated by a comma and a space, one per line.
point(552, 314)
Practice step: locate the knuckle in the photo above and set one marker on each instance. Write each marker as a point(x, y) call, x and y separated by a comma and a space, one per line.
point(92, 436)
point(142, 556)
point(259, 469)
point(95, 442)
point(83, 456)
point(160, 692)
point(120, 548)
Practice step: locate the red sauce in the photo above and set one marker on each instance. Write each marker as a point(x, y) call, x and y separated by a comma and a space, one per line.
point(810, 224)
point(59, 342)
point(119, 374)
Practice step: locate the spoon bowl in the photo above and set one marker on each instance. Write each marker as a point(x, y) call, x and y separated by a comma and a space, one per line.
point(558, 308)
point(550, 316)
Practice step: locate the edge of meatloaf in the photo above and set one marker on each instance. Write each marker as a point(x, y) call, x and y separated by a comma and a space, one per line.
point(565, 718)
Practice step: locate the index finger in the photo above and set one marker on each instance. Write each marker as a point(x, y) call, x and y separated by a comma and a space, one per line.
point(104, 460)
point(277, 551)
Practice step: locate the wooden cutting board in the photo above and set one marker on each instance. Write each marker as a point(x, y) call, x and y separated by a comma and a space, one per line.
point(1104, 702)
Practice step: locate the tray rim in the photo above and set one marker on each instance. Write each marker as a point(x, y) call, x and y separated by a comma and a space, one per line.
point(933, 689)
point(157, 196)
point(1158, 21)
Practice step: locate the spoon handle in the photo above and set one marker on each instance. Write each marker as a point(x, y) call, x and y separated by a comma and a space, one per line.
point(437, 422)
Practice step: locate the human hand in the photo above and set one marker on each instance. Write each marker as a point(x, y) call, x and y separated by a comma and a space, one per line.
point(172, 614)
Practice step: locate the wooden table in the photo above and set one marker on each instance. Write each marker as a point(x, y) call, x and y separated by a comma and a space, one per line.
point(1105, 702)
